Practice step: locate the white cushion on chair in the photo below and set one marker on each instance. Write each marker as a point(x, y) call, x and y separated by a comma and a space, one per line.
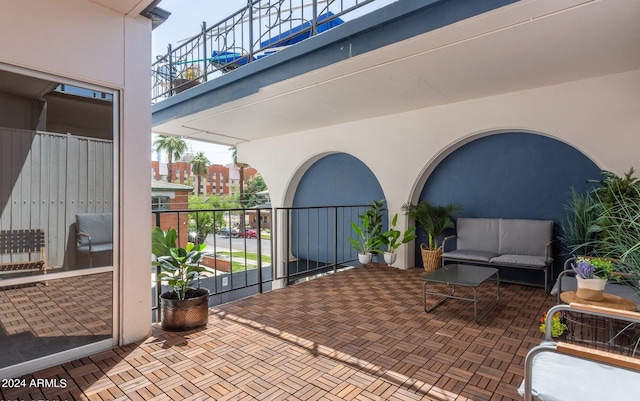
point(558, 377)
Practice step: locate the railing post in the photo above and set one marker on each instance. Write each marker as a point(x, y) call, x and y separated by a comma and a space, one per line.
point(171, 77)
point(314, 28)
point(157, 216)
point(205, 55)
point(287, 244)
point(259, 249)
point(275, 249)
point(158, 283)
point(250, 6)
point(335, 239)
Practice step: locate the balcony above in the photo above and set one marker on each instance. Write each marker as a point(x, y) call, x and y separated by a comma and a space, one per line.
point(405, 57)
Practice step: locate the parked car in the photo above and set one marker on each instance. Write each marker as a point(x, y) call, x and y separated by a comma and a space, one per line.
point(248, 233)
point(226, 231)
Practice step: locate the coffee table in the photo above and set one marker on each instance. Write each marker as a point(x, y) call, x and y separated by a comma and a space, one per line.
point(464, 276)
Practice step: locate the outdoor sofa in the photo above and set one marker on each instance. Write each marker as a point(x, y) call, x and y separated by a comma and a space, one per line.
point(496, 242)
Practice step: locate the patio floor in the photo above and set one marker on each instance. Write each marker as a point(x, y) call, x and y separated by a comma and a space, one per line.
point(359, 334)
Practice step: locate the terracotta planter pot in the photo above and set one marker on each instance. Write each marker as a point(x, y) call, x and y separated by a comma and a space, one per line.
point(591, 289)
point(190, 313)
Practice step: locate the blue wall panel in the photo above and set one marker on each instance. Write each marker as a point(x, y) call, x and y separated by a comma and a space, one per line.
point(510, 175)
point(335, 180)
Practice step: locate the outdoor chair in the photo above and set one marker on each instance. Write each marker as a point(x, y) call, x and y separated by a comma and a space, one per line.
point(560, 371)
point(22, 251)
point(94, 233)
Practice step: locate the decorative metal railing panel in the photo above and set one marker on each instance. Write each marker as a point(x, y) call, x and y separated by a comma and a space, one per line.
point(256, 31)
point(281, 244)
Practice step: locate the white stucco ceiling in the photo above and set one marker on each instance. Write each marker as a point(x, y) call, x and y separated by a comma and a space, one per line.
point(526, 45)
point(126, 7)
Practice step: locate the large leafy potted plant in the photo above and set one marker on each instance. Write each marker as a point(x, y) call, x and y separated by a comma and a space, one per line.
point(614, 231)
point(367, 241)
point(186, 306)
point(433, 220)
point(375, 212)
point(394, 238)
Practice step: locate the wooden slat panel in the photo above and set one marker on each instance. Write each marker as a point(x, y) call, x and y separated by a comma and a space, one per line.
point(34, 203)
point(91, 176)
point(600, 356)
point(5, 184)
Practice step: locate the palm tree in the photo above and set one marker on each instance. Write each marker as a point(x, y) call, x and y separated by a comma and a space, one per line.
point(175, 148)
point(199, 165)
point(241, 167)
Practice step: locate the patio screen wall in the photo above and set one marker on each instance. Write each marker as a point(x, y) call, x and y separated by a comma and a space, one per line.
point(47, 179)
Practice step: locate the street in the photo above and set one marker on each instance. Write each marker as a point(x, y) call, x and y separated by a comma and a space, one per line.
point(223, 243)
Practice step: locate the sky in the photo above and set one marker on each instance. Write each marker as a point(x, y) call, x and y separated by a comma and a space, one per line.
point(185, 22)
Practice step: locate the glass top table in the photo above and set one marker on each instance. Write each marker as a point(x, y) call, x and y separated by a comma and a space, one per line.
point(464, 276)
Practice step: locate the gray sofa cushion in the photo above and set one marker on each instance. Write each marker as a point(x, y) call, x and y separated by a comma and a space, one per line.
point(527, 261)
point(477, 234)
point(524, 237)
point(465, 254)
point(99, 226)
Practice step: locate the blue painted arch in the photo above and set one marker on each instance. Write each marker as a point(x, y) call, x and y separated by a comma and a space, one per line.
point(338, 179)
point(511, 175)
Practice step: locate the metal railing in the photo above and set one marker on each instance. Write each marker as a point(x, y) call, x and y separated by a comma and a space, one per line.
point(261, 28)
point(243, 262)
point(315, 239)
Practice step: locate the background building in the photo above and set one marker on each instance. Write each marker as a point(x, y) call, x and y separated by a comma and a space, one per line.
point(220, 180)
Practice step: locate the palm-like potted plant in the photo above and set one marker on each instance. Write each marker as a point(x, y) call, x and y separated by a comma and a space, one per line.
point(394, 238)
point(433, 220)
point(186, 306)
point(366, 243)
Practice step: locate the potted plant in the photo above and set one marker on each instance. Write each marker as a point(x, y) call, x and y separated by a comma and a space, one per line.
point(394, 238)
point(185, 306)
point(558, 324)
point(366, 243)
point(375, 212)
point(592, 275)
point(189, 78)
point(433, 220)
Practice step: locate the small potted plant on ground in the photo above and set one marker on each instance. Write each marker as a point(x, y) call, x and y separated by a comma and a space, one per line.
point(558, 324)
point(433, 220)
point(184, 307)
point(367, 243)
point(592, 275)
point(393, 239)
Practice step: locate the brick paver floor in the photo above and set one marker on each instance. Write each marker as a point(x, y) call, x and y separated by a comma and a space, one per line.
point(359, 334)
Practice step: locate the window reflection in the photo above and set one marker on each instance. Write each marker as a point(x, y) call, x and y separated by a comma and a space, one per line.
point(37, 320)
point(56, 156)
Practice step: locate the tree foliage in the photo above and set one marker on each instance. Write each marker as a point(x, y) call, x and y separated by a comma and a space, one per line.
point(199, 165)
point(174, 147)
point(254, 185)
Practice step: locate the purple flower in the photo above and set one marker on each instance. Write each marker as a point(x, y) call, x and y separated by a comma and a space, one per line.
point(583, 268)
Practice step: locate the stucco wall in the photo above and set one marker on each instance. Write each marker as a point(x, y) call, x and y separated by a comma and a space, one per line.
point(599, 117)
point(79, 40)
